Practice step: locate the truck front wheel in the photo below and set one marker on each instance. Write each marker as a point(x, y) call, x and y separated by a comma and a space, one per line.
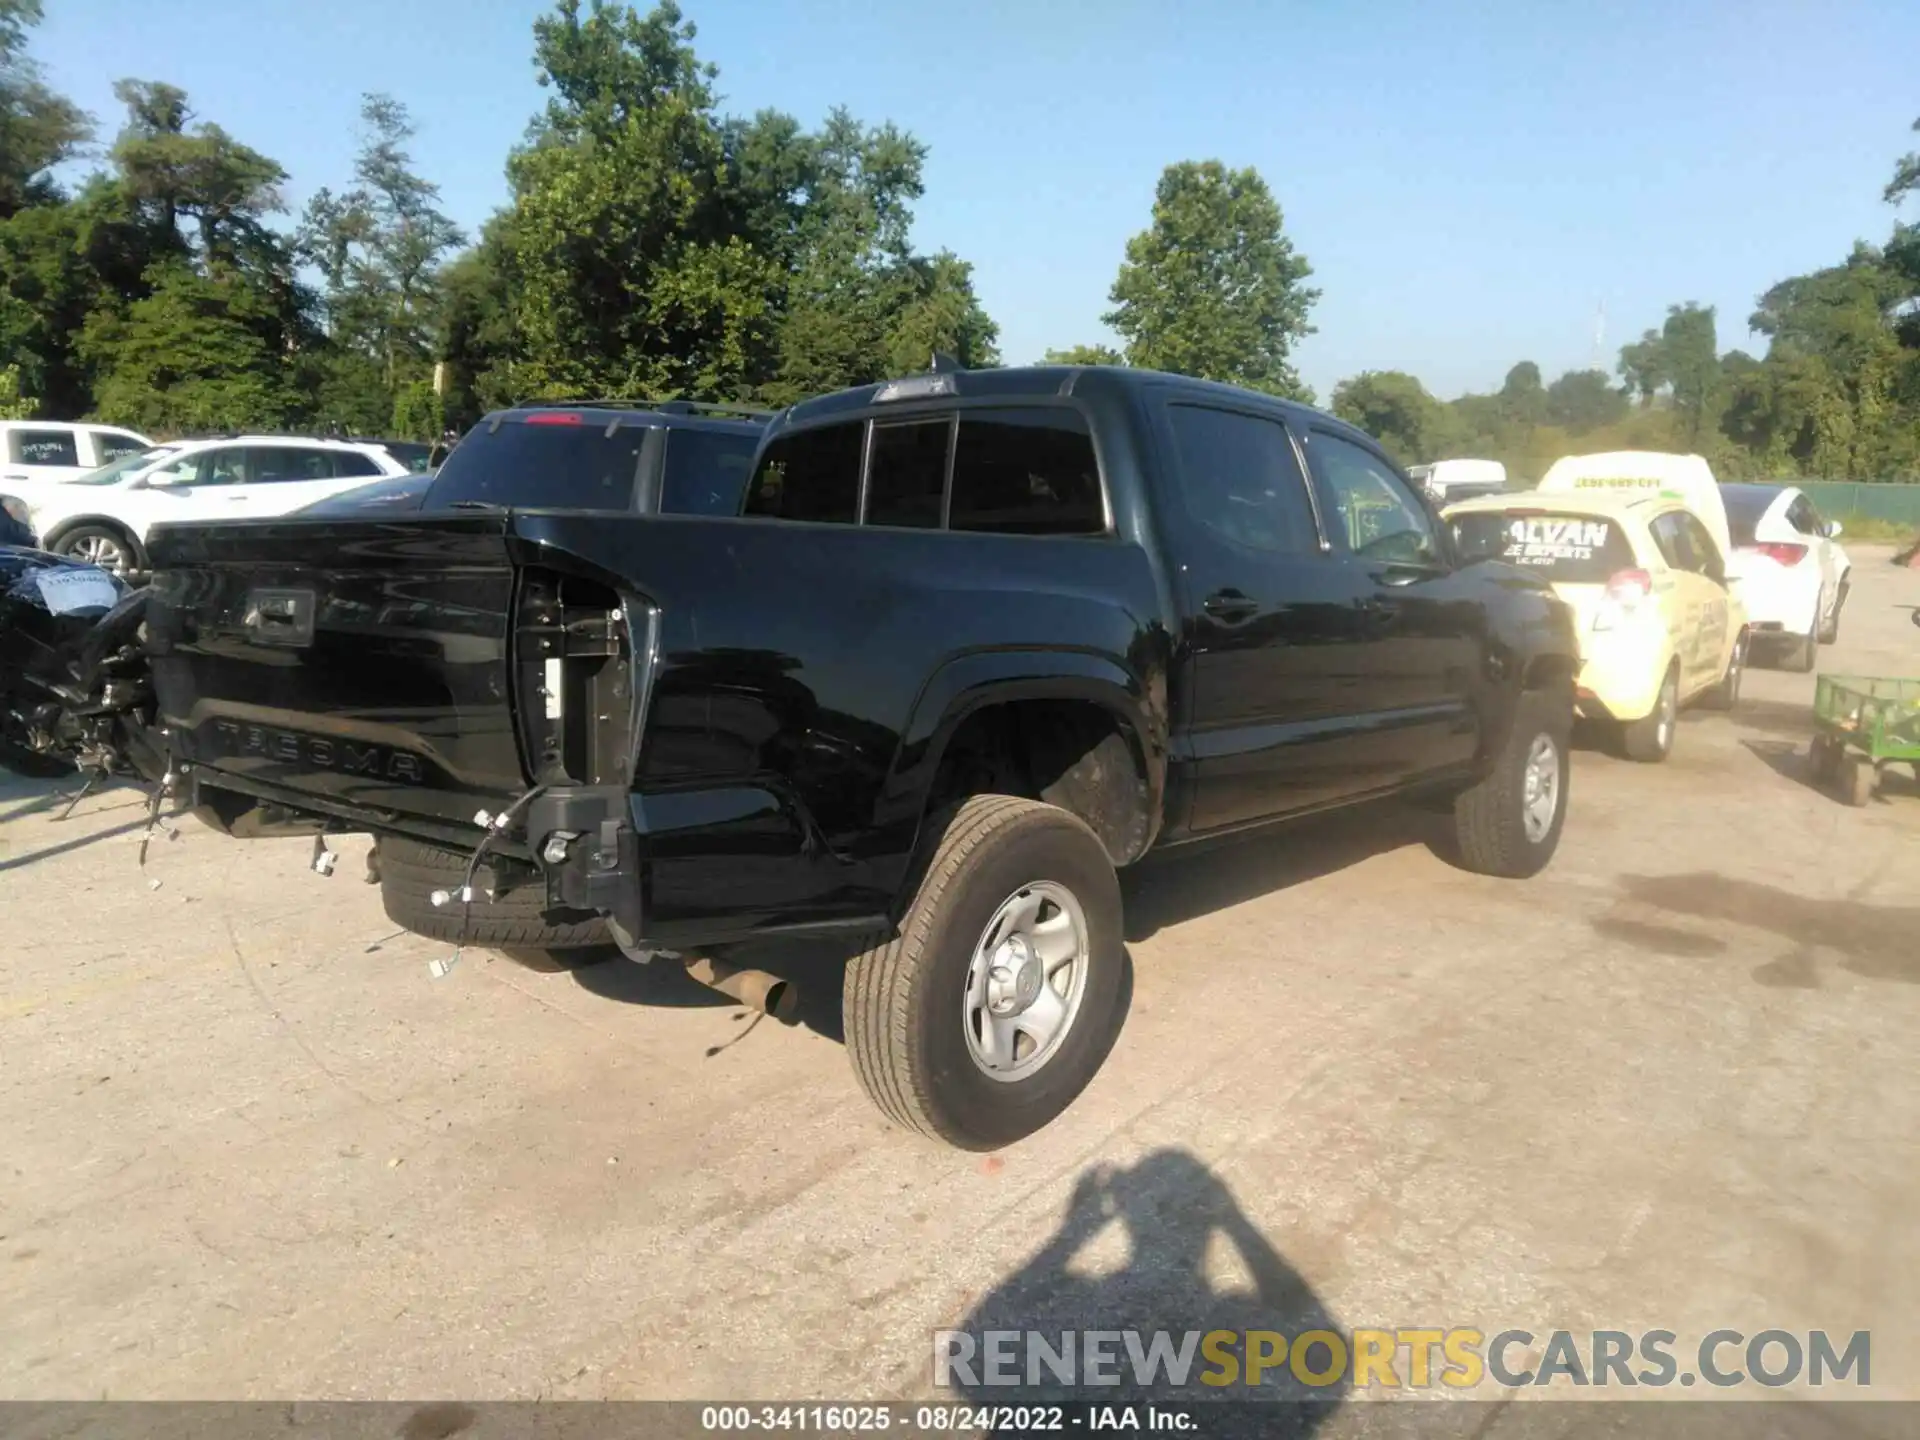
point(999, 997)
point(1509, 824)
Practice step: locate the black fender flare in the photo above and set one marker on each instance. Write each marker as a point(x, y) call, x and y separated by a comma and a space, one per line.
point(965, 684)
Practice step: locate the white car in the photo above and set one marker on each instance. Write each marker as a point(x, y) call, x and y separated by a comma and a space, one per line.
point(49, 451)
point(1792, 574)
point(104, 518)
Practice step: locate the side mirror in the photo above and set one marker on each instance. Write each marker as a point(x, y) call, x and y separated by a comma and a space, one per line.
point(1831, 529)
point(163, 479)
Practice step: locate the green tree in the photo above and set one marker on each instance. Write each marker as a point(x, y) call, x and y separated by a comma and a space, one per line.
point(1396, 410)
point(14, 404)
point(1691, 358)
point(188, 357)
point(1583, 400)
point(1643, 366)
point(380, 246)
point(1213, 287)
point(38, 129)
point(626, 281)
point(194, 172)
point(1085, 355)
point(1523, 397)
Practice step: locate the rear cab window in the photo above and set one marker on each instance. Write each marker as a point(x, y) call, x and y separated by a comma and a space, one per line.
point(1562, 547)
point(1012, 470)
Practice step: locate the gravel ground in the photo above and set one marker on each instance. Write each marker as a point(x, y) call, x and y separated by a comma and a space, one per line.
point(252, 1149)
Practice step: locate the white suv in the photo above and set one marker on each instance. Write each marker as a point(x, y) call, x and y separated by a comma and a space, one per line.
point(40, 451)
point(104, 517)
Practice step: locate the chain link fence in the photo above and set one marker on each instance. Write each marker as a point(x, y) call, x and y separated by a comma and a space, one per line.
point(1841, 499)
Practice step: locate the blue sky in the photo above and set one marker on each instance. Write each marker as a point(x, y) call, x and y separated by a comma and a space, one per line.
point(1470, 182)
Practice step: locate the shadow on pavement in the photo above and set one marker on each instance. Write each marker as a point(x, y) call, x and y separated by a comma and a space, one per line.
point(1193, 1263)
point(1187, 883)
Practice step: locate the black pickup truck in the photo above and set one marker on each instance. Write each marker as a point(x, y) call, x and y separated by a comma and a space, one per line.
point(976, 640)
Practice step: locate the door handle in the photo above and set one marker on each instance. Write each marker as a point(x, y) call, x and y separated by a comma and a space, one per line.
point(18, 477)
point(1230, 606)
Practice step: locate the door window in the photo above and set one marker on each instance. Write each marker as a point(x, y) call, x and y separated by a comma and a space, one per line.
point(225, 466)
point(908, 476)
point(275, 464)
point(1707, 559)
point(352, 465)
point(1025, 471)
point(45, 447)
point(1675, 545)
point(810, 475)
point(1241, 479)
point(1377, 516)
point(116, 444)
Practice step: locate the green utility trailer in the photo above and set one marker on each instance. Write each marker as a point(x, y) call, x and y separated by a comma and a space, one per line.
point(1862, 724)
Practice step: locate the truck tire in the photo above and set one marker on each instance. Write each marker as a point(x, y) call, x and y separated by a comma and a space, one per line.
point(1649, 739)
point(1018, 901)
point(410, 872)
point(1509, 823)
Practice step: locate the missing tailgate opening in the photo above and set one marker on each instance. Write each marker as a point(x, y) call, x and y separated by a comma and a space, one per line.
point(573, 680)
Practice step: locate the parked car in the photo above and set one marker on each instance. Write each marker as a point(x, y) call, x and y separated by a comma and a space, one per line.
point(1793, 573)
point(1634, 542)
point(671, 456)
point(104, 518)
point(50, 451)
point(975, 640)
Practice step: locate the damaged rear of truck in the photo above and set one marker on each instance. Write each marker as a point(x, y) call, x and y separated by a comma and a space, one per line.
point(975, 641)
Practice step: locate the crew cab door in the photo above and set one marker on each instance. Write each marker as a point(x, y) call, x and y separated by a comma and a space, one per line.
point(1277, 700)
point(1423, 626)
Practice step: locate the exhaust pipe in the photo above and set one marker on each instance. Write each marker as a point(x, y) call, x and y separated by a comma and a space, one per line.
point(753, 988)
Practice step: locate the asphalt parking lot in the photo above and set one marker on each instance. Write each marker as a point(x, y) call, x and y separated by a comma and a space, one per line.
point(253, 1149)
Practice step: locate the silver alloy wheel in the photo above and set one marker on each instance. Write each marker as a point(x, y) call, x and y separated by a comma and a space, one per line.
point(98, 549)
point(1540, 788)
point(1669, 702)
point(1736, 662)
point(1026, 981)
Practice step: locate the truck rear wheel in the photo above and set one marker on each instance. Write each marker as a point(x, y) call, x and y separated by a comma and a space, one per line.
point(518, 919)
point(1509, 824)
point(999, 997)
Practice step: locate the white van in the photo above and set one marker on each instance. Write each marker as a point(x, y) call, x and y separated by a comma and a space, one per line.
point(54, 450)
point(1456, 479)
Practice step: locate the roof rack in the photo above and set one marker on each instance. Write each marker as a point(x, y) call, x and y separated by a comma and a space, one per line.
point(664, 407)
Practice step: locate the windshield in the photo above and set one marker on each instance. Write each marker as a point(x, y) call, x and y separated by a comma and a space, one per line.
point(123, 467)
point(410, 453)
point(1560, 547)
